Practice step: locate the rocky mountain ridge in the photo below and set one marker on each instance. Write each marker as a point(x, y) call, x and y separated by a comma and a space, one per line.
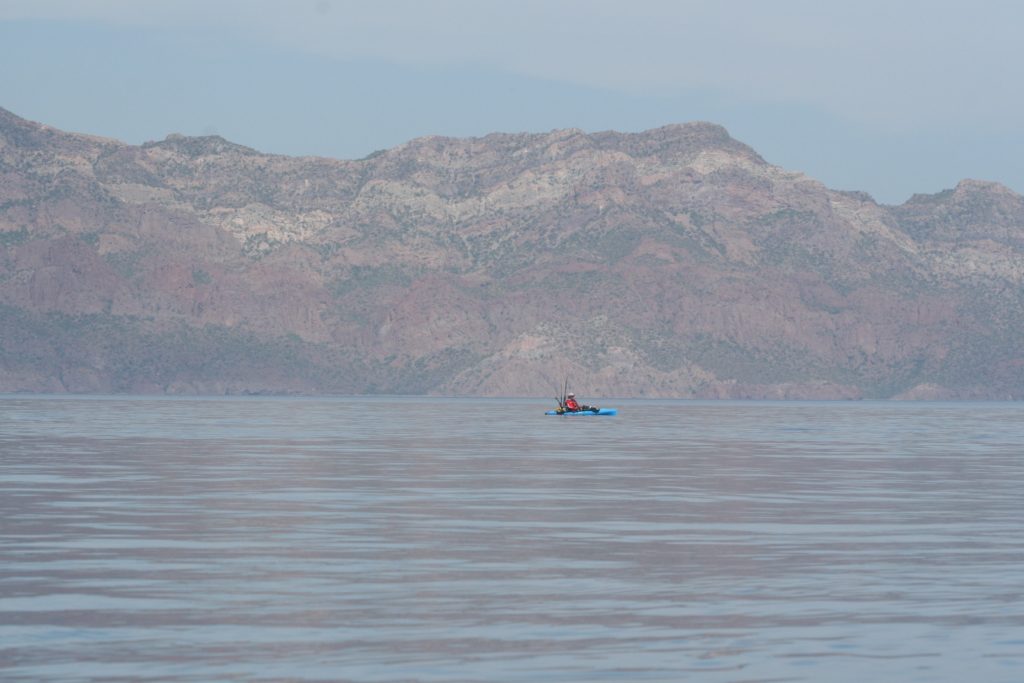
point(674, 262)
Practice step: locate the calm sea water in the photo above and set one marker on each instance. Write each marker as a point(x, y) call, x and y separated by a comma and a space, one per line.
point(454, 540)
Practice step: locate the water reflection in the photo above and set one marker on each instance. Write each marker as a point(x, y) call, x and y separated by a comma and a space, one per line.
point(409, 539)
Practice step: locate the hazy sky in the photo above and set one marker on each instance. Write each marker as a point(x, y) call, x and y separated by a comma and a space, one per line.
point(891, 97)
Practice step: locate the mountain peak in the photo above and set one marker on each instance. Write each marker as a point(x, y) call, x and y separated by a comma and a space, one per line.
point(9, 118)
point(678, 139)
point(200, 146)
point(705, 129)
point(21, 132)
point(965, 190)
point(969, 186)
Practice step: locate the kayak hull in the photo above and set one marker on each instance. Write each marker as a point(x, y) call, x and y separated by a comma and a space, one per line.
point(602, 411)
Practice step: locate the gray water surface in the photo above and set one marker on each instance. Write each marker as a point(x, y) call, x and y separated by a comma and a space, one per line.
point(157, 539)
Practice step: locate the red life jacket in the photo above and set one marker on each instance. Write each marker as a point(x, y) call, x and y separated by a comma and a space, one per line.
point(571, 404)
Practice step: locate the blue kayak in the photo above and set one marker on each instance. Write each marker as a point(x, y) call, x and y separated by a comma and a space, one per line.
point(602, 411)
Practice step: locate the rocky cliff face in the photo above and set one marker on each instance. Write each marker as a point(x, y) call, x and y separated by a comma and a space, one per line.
point(674, 262)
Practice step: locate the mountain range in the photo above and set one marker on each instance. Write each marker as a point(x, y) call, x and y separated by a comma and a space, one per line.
point(674, 262)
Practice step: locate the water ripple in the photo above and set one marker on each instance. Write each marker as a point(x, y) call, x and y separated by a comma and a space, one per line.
point(447, 540)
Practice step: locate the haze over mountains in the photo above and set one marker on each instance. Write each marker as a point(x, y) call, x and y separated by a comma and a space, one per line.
point(674, 262)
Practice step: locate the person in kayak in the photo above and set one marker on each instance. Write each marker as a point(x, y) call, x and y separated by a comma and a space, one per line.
point(571, 406)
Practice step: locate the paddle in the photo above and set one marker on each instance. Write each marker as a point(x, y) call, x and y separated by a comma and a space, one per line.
point(560, 401)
